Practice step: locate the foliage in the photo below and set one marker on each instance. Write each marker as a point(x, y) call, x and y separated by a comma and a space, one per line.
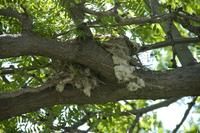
point(52, 20)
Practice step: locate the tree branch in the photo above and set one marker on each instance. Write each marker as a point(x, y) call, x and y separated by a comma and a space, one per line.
point(136, 20)
point(186, 24)
point(25, 20)
point(178, 41)
point(121, 21)
point(76, 12)
point(190, 105)
point(188, 16)
point(152, 107)
point(141, 111)
point(90, 55)
point(177, 83)
point(11, 70)
point(182, 51)
point(99, 13)
point(136, 121)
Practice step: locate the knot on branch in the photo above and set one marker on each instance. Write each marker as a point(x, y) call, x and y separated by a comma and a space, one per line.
point(125, 72)
point(78, 76)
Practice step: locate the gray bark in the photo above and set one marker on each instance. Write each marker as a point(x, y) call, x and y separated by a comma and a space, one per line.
point(175, 83)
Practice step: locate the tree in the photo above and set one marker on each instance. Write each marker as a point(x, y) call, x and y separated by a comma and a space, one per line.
point(67, 63)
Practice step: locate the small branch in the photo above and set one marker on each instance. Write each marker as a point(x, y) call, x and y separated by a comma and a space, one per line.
point(188, 16)
point(25, 20)
point(100, 14)
point(178, 41)
point(135, 20)
point(140, 112)
point(76, 12)
point(5, 79)
point(173, 60)
point(152, 107)
point(35, 77)
point(145, 20)
point(126, 21)
point(183, 53)
point(9, 70)
point(186, 24)
point(134, 123)
point(44, 86)
point(190, 105)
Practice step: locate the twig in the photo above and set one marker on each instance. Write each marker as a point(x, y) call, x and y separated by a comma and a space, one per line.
point(171, 38)
point(134, 123)
point(190, 105)
point(9, 70)
point(5, 79)
point(46, 85)
point(35, 77)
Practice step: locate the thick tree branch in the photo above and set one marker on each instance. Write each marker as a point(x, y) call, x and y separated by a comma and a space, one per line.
point(177, 83)
point(90, 55)
point(85, 52)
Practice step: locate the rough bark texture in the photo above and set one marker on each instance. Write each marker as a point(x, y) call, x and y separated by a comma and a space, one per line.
point(86, 52)
point(175, 83)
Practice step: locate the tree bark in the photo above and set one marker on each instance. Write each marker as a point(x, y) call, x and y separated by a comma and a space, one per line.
point(175, 83)
point(90, 54)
